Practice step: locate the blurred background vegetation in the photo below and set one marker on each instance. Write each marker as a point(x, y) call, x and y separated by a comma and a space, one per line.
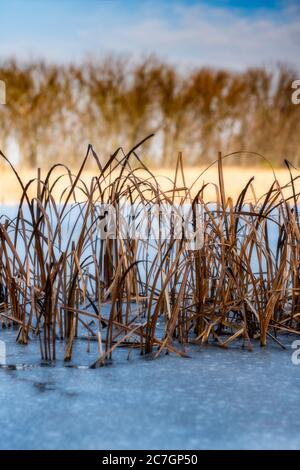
point(54, 111)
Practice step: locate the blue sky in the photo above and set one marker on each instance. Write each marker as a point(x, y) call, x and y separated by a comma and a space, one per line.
point(228, 33)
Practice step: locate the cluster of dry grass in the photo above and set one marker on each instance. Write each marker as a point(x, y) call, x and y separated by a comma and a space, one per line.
point(243, 283)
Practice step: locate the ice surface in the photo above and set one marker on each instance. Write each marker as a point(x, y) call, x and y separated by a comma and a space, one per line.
point(216, 399)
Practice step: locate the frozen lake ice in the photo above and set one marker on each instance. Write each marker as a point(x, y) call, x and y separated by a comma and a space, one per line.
point(216, 399)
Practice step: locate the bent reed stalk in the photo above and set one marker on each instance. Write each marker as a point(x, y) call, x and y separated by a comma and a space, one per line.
point(58, 278)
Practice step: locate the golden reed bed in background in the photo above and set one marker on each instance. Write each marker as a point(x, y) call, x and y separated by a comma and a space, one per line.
point(242, 284)
point(53, 110)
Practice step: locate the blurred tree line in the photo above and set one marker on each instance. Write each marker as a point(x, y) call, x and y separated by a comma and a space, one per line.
point(54, 111)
